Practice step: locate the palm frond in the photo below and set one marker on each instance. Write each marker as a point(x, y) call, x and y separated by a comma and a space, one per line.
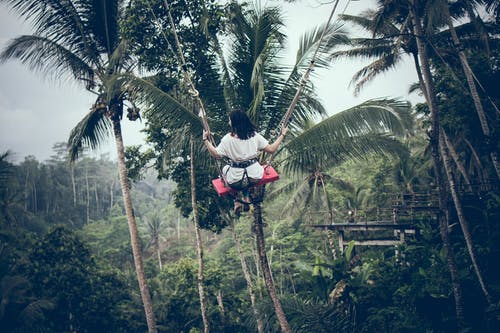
point(229, 93)
point(63, 22)
point(120, 57)
point(308, 43)
point(308, 105)
point(176, 144)
point(415, 88)
point(6, 168)
point(310, 316)
point(363, 21)
point(256, 39)
point(371, 71)
point(436, 16)
point(323, 152)
point(375, 115)
point(298, 197)
point(364, 48)
point(90, 132)
point(34, 311)
point(103, 20)
point(257, 84)
point(46, 56)
point(383, 18)
point(161, 106)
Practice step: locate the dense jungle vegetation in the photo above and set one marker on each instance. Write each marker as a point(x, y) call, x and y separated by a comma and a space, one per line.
point(144, 243)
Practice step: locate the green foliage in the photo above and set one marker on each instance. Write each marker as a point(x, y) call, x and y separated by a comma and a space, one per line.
point(179, 300)
point(311, 316)
point(51, 282)
point(110, 241)
point(209, 215)
point(62, 269)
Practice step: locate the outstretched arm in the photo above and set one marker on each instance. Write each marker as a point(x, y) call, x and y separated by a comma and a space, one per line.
point(271, 148)
point(210, 147)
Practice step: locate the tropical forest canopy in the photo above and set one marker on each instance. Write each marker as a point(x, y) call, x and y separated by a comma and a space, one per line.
point(385, 217)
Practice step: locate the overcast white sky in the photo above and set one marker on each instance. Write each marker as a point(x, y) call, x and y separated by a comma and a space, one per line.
point(35, 113)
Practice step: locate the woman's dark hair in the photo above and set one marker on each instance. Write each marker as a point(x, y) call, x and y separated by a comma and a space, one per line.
point(241, 125)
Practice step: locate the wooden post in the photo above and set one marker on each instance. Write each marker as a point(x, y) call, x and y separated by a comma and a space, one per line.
point(341, 241)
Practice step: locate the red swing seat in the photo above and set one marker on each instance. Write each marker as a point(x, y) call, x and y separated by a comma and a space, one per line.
point(270, 175)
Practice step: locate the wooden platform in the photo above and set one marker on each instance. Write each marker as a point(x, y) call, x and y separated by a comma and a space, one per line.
point(373, 225)
point(400, 230)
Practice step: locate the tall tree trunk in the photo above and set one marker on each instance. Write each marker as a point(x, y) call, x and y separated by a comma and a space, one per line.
point(199, 246)
point(454, 155)
point(474, 94)
point(246, 273)
point(73, 184)
point(35, 197)
point(479, 164)
point(132, 226)
point(220, 304)
point(27, 195)
point(96, 197)
point(158, 253)
point(464, 224)
point(429, 93)
point(266, 270)
point(87, 192)
point(111, 194)
point(178, 226)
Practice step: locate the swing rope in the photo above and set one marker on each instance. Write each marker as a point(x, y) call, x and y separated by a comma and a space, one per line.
point(195, 94)
point(192, 89)
point(305, 77)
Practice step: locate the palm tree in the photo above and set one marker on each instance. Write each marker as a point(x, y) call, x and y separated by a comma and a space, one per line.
point(351, 134)
point(485, 127)
point(390, 42)
point(10, 197)
point(440, 145)
point(253, 79)
point(262, 87)
point(81, 40)
point(393, 28)
point(154, 226)
point(429, 92)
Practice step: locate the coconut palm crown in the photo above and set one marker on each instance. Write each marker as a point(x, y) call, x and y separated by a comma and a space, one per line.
point(80, 40)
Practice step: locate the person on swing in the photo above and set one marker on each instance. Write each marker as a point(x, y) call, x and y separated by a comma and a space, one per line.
point(242, 146)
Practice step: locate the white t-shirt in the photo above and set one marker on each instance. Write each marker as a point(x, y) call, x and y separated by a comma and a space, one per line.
point(239, 150)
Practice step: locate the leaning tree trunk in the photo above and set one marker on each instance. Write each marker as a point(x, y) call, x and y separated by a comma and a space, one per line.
point(454, 155)
point(158, 252)
point(329, 233)
point(430, 96)
point(244, 268)
point(199, 246)
point(132, 226)
point(248, 279)
point(474, 94)
point(479, 165)
point(266, 270)
point(464, 224)
point(73, 183)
